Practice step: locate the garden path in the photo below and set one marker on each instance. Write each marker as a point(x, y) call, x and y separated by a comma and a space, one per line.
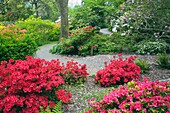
point(105, 31)
point(95, 63)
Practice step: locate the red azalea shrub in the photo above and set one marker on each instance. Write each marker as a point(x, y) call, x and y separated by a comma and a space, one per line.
point(25, 85)
point(74, 73)
point(63, 95)
point(135, 97)
point(118, 72)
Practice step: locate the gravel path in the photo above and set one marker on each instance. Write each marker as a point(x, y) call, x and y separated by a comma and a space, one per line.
point(95, 63)
point(82, 93)
point(105, 31)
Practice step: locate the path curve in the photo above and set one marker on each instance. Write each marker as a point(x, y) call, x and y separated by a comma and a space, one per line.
point(105, 31)
point(95, 63)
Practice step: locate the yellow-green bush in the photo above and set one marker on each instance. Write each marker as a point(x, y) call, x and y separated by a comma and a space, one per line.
point(15, 43)
point(42, 31)
point(1, 26)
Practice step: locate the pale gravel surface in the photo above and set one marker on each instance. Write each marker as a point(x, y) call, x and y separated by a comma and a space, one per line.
point(82, 93)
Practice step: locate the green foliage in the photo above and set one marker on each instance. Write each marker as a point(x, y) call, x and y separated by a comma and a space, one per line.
point(151, 47)
point(74, 43)
point(143, 64)
point(94, 13)
point(20, 40)
point(98, 95)
point(164, 61)
point(15, 43)
point(13, 10)
point(48, 9)
point(17, 49)
point(146, 20)
point(85, 42)
point(56, 109)
point(40, 30)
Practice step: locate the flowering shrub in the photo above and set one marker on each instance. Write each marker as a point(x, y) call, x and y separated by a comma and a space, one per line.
point(74, 73)
point(15, 43)
point(135, 97)
point(151, 47)
point(76, 39)
point(118, 72)
point(40, 30)
point(63, 95)
point(25, 85)
point(85, 41)
point(12, 31)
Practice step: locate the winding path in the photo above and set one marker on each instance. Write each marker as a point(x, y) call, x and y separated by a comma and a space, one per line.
point(93, 63)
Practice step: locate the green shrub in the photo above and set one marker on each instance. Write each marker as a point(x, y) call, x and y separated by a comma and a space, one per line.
point(76, 40)
point(143, 64)
point(41, 30)
point(151, 47)
point(15, 43)
point(164, 60)
point(147, 19)
point(85, 42)
point(123, 43)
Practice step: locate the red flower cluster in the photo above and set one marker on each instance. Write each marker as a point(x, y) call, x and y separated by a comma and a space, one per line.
point(83, 30)
point(25, 84)
point(88, 29)
point(63, 95)
point(135, 97)
point(118, 72)
point(74, 73)
point(71, 47)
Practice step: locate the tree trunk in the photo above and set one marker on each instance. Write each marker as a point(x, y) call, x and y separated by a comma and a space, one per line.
point(36, 9)
point(63, 7)
point(35, 3)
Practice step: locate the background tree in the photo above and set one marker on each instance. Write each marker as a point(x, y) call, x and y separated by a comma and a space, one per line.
point(12, 10)
point(94, 13)
point(150, 19)
point(47, 9)
point(63, 7)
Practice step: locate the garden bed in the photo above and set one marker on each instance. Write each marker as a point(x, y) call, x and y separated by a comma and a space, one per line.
point(81, 94)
